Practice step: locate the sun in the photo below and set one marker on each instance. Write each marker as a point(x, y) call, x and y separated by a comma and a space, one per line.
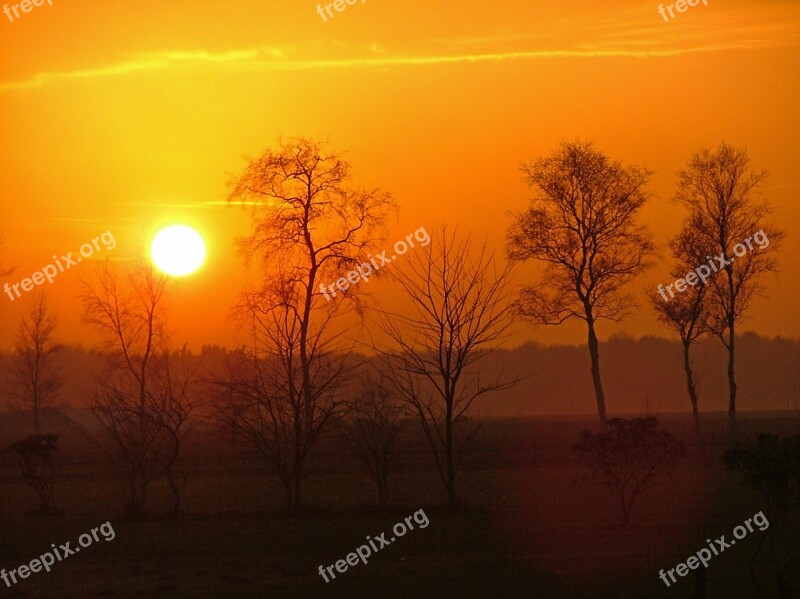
point(178, 250)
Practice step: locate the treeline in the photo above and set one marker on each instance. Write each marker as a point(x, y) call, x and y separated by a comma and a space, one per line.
point(644, 376)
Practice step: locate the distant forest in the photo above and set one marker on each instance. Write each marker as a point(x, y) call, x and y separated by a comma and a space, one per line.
point(643, 376)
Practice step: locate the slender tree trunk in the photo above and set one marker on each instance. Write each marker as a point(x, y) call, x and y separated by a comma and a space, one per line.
point(383, 486)
point(687, 367)
point(297, 469)
point(136, 504)
point(297, 486)
point(452, 499)
point(594, 353)
point(37, 417)
point(173, 485)
point(287, 493)
point(731, 376)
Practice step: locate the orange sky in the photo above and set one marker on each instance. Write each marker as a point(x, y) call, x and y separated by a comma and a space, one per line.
point(126, 116)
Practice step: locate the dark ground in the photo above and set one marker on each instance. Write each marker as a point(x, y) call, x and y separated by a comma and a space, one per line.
point(534, 526)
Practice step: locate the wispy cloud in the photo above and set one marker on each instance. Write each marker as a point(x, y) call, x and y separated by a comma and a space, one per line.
point(632, 34)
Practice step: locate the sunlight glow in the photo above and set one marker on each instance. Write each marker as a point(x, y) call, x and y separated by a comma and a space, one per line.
point(178, 250)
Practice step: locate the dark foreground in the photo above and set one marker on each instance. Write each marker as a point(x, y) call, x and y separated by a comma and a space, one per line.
point(533, 525)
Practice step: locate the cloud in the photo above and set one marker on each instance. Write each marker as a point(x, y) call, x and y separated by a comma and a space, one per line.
point(627, 34)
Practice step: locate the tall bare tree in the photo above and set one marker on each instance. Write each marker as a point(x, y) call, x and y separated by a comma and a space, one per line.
point(37, 379)
point(310, 228)
point(129, 313)
point(582, 225)
point(460, 312)
point(726, 213)
point(686, 313)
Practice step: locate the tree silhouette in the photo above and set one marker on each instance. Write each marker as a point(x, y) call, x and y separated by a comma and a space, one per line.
point(374, 419)
point(36, 377)
point(687, 313)
point(35, 454)
point(581, 224)
point(720, 190)
point(310, 228)
point(460, 312)
point(627, 457)
point(772, 467)
point(173, 395)
point(131, 317)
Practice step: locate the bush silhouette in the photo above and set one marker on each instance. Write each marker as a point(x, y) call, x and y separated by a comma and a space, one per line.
point(627, 457)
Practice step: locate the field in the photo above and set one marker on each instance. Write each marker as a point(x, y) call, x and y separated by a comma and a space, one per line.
point(532, 525)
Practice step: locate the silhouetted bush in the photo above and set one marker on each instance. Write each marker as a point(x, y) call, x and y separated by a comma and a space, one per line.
point(35, 454)
point(772, 467)
point(628, 455)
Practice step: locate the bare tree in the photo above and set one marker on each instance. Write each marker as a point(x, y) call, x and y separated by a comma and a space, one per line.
point(36, 376)
point(460, 313)
point(261, 398)
point(173, 394)
point(310, 228)
point(374, 419)
point(582, 225)
point(725, 213)
point(686, 313)
point(130, 316)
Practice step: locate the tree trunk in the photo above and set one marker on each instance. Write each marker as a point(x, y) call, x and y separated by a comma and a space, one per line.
point(594, 353)
point(687, 367)
point(297, 502)
point(452, 499)
point(383, 486)
point(731, 376)
point(136, 503)
point(287, 493)
point(176, 492)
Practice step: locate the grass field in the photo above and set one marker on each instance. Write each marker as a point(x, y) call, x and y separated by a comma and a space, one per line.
point(532, 525)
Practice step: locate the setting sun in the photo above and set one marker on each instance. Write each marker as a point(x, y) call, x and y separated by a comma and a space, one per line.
point(178, 250)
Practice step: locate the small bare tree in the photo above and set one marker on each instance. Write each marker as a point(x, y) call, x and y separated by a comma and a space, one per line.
point(173, 395)
point(582, 225)
point(720, 190)
point(261, 398)
point(36, 377)
point(374, 419)
point(460, 312)
point(686, 313)
point(130, 316)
